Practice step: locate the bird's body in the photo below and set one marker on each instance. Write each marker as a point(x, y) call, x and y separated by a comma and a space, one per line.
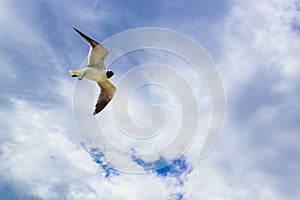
point(96, 71)
point(91, 73)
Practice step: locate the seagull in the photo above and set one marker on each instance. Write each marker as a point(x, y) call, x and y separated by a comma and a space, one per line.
point(96, 71)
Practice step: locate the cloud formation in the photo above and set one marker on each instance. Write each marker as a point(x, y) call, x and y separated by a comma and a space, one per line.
point(255, 45)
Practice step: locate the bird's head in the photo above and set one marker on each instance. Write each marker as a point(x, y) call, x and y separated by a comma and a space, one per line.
point(109, 74)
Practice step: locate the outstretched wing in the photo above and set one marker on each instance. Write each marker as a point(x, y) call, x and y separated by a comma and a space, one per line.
point(97, 53)
point(107, 93)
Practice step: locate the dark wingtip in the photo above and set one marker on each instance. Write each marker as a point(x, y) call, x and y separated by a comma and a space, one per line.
point(95, 112)
point(77, 30)
point(92, 42)
point(80, 33)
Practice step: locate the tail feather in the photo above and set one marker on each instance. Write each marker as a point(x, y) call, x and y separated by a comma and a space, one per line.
point(74, 72)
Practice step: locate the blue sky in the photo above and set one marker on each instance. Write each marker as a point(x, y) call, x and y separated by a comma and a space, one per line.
point(255, 45)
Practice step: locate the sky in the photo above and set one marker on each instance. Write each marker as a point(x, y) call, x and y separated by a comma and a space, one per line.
point(255, 46)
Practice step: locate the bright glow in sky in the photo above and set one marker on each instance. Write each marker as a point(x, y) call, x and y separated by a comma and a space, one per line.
point(255, 45)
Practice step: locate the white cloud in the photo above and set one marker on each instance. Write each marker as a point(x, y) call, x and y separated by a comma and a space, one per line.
point(260, 72)
point(258, 35)
point(41, 161)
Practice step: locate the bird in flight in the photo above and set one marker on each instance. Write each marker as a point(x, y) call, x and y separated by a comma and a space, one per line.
point(96, 71)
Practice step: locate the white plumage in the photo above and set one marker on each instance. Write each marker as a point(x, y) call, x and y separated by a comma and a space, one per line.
point(96, 71)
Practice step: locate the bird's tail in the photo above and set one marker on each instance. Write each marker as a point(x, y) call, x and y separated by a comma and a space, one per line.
point(74, 72)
